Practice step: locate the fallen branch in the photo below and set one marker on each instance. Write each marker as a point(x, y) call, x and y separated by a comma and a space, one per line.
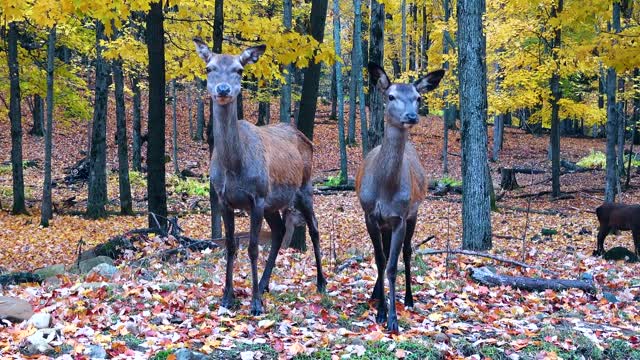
point(486, 277)
point(485, 255)
point(416, 246)
point(347, 263)
point(541, 212)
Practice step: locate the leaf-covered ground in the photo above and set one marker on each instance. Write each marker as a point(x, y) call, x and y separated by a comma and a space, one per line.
point(150, 308)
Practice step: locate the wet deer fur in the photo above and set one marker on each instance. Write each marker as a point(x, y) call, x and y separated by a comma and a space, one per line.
point(618, 217)
point(391, 184)
point(263, 170)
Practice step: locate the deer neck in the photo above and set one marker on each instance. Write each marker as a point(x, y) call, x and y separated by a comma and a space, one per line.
point(227, 139)
point(391, 156)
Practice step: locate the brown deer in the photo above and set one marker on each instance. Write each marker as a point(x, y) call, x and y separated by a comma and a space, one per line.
point(391, 185)
point(263, 170)
point(618, 217)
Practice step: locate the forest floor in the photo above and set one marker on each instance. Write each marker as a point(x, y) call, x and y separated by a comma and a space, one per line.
point(148, 310)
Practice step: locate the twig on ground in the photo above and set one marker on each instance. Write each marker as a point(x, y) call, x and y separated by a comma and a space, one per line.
point(347, 263)
point(416, 246)
point(485, 255)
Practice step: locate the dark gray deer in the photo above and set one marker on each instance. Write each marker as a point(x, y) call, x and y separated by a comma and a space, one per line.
point(263, 170)
point(391, 185)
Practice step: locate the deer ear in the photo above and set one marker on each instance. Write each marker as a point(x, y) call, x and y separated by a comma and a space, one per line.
point(378, 76)
point(252, 54)
point(203, 50)
point(429, 82)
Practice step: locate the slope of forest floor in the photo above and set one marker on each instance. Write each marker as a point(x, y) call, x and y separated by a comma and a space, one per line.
point(150, 308)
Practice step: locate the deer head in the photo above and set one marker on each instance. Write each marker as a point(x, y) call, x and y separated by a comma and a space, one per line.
point(402, 100)
point(224, 72)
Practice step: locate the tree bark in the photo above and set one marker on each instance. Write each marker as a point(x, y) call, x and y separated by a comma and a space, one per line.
point(218, 26)
point(376, 55)
point(498, 132)
point(556, 93)
point(126, 204)
point(137, 125)
point(199, 114)
point(339, 92)
point(403, 37)
point(46, 213)
point(156, 186)
point(189, 103)
point(413, 9)
point(264, 113)
point(15, 117)
point(612, 122)
point(38, 116)
point(174, 106)
point(356, 67)
point(98, 155)
point(476, 219)
point(424, 46)
point(285, 97)
point(636, 108)
point(309, 96)
point(333, 95)
point(448, 115)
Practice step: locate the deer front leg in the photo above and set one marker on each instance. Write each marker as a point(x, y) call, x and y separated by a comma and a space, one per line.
point(381, 262)
point(277, 232)
point(397, 238)
point(602, 233)
point(257, 215)
point(406, 255)
point(230, 245)
point(305, 206)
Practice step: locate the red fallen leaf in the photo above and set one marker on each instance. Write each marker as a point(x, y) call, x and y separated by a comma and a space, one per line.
point(634, 340)
point(316, 308)
point(278, 345)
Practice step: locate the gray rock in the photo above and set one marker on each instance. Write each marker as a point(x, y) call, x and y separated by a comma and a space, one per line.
point(49, 271)
point(86, 265)
point(38, 343)
point(40, 320)
point(186, 354)
point(97, 352)
point(14, 309)
point(104, 269)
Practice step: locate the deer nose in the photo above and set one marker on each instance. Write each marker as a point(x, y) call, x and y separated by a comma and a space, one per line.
point(412, 118)
point(223, 89)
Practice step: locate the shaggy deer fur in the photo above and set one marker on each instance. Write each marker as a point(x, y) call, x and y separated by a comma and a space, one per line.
point(263, 170)
point(391, 185)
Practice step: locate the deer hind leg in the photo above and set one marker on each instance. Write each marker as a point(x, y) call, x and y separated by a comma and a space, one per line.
point(406, 255)
point(305, 206)
point(378, 290)
point(257, 215)
point(602, 233)
point(277, 233)
point(231, 248)
point(381, 263)
point(397, 239)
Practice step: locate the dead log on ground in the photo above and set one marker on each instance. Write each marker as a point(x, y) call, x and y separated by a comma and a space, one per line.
point(486, 277)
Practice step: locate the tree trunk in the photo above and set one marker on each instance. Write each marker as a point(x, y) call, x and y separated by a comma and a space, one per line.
point(137, 125)
point(15, 116)
point(424, 46)
point(508, 179)
point(98, 155)
point(38, 116)
point(264, 113)
point(487, 277)
point(413, 9)
point(622, 124)
point(612, 122)
point(156, 186)
point(356, 67)
point(554, 83)
point(189, 106)
point(476, 219)
point(339, 92)
point(47, 206)
point(353, 93)
point(126, 204)
point(403, 37)
point(218, 26)
point(285, 96)
point(448, 115)
point(309, 96)
point(636, 107)
point(498, 131)
point(199, 114)
point(240, 106)
point(333, 96)
point(174, 106)
point(376, 55)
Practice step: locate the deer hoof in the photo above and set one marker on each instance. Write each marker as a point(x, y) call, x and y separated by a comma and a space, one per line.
point(256, 307)
point(598, 252)
point(408, 301)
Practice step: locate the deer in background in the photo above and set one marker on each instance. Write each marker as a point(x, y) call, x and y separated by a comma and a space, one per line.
point(391, 184)
point(263, 170)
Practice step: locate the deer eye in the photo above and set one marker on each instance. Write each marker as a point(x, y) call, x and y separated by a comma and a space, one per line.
point(391, 97)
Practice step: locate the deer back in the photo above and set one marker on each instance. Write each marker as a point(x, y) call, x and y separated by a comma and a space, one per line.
point(288, 154)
